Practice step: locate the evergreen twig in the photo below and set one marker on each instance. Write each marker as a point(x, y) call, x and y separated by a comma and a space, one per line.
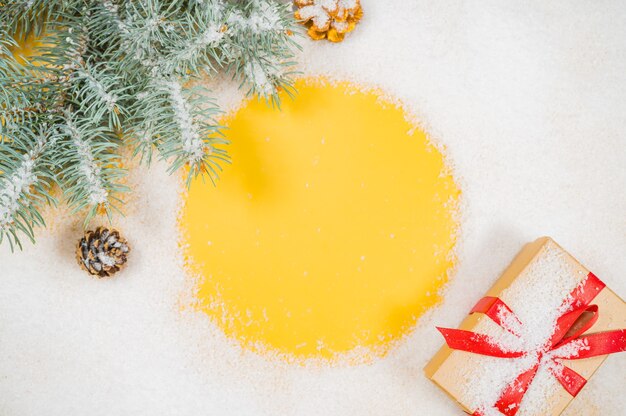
point(110, 72)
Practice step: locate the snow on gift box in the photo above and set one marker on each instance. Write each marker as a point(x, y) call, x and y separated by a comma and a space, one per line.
point(530, 345)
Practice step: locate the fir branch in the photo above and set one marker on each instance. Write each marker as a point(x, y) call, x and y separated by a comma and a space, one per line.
point(116, 71)
point(266, 70)
point(100, 94)
point(198, 49)
point(149, 31)
point(186, 134)
point(25, 180)
point(108, 13)
point(191, 144)
point(27, 17)
point(91, 167)
point(6, 44)
point(11, 74)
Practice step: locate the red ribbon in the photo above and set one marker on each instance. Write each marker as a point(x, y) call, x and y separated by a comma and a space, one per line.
point(566, 333)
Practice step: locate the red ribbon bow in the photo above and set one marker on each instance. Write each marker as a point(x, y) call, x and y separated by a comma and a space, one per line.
point(567, 333)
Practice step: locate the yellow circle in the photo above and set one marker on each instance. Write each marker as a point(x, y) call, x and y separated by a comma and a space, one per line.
point(332, 230)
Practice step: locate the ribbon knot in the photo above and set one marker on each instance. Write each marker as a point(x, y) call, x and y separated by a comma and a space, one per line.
point(569, 341)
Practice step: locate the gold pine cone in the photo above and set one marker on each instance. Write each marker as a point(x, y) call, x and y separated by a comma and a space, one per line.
point(329, 19)
point(102, 252)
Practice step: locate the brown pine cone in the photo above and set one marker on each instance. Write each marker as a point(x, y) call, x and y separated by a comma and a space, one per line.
point(102, 252)
point(328, 19)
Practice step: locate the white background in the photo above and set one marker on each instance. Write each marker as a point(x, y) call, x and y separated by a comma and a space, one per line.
point(529, 100)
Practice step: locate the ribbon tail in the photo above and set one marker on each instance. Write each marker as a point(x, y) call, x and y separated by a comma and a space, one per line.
point(511, 398)
point(570, 380)
point(459, 339)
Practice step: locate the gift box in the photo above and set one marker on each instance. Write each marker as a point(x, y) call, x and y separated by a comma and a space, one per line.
point(529, 346)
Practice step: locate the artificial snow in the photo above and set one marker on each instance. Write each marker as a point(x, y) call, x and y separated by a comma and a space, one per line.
point(527, 98)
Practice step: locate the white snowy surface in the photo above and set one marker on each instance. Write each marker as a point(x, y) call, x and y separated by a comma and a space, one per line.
point(529, 99)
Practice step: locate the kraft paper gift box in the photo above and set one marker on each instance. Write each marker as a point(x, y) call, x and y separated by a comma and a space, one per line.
point(531, 343)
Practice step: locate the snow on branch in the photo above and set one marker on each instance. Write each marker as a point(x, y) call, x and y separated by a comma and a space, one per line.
point(191, 141)
point(87, 165)
point(13, 188)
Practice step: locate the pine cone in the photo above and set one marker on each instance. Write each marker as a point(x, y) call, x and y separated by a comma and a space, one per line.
point(329, 19)
point(102, 252)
